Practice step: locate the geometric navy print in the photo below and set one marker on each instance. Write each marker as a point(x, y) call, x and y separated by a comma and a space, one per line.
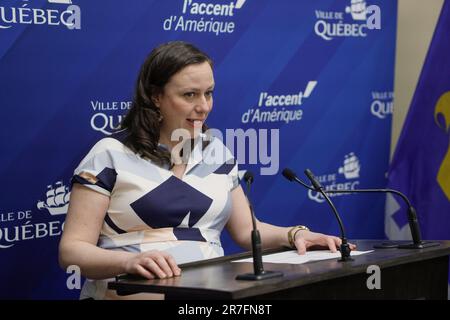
point(189, 212)
point(226, 167)
point(80, 180)
point(112, 225)
point(169, 203)
point(107, 179)
point(190, 234)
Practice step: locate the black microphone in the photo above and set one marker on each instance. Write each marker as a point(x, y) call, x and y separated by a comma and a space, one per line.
point(344, 247)
point(411, 213)
point(291, 176)
point(258, 268)
point(413, 222)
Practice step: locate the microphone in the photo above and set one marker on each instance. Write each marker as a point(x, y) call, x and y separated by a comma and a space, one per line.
point(413, 222)
point(291, 176)
point(414, 226)
point(258, 268)
point(344, 247)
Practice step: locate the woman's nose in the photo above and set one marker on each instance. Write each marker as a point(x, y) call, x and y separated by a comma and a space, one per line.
point(203, 104)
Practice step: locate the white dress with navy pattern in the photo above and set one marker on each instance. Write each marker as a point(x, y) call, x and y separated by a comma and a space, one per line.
point(152, 209)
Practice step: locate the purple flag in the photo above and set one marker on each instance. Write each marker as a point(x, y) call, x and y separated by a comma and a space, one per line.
point(421, 164)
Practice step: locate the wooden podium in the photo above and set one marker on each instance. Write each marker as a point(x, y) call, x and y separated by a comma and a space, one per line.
point(405, 274)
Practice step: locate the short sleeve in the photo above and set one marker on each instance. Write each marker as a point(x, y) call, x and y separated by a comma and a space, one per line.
point(97, 171)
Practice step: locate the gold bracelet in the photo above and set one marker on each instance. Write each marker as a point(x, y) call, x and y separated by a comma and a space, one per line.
point(292, 232)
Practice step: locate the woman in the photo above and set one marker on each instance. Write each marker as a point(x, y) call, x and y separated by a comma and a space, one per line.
point(138, 208)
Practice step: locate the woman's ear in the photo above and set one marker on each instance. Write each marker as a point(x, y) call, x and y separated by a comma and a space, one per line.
point(156, 100)
point(156, 96)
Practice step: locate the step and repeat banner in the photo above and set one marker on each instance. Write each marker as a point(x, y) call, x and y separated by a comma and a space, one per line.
point(305, 84)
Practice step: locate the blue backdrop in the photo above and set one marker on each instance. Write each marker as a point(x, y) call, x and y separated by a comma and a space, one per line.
point(321, 72)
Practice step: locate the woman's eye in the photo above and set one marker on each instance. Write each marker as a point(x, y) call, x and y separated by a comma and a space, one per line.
point(189, 94)
point(209, 93)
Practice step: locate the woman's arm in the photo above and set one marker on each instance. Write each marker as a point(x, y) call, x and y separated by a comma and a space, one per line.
point(240, 226)
point(78, 244)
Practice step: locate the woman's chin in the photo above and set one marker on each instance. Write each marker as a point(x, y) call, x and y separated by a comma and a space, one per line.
point(194, 131)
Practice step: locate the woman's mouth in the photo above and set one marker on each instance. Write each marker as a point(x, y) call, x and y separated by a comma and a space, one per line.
point(195, 123)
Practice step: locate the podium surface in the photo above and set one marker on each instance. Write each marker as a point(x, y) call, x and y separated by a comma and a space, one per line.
point(404, 274)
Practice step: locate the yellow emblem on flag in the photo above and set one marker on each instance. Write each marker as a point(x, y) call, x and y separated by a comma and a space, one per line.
point(443, 108)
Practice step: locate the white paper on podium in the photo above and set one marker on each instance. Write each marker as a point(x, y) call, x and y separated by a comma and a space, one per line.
point(294, 258)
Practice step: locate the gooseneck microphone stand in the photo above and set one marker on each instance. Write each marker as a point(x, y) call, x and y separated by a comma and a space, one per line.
point(344, 247)
point(414, 226)
point(258, 269)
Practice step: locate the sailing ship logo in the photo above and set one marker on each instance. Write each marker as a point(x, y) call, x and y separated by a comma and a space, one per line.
point(351, 167)
point(57, 200)
point(358, 9)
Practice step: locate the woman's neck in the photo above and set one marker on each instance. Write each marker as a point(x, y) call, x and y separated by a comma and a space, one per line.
point(164, 138)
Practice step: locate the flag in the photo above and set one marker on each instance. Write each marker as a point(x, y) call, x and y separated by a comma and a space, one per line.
point(420, 167)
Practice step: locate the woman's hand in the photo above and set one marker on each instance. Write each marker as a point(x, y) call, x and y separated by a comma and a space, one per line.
point(152, 264)
point(305, 240)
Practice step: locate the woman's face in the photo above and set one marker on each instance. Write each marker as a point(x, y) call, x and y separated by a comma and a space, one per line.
point(186, 100)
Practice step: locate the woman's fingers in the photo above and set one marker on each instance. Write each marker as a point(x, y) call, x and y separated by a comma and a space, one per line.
point(154, 268)
point(172, 264)
point(160, 264)
point(331, 244)
point(163, 265)
point(337, 240)
point(312, 240)
point(152, 264)
point(144, 272)
point(300, 245)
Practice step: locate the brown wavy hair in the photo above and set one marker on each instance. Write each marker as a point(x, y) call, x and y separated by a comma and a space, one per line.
point(142, 122)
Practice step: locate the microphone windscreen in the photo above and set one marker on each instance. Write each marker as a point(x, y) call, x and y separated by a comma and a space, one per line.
point(289, 174)
point(313, 179)
point(309, 174)
point(248, 177)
